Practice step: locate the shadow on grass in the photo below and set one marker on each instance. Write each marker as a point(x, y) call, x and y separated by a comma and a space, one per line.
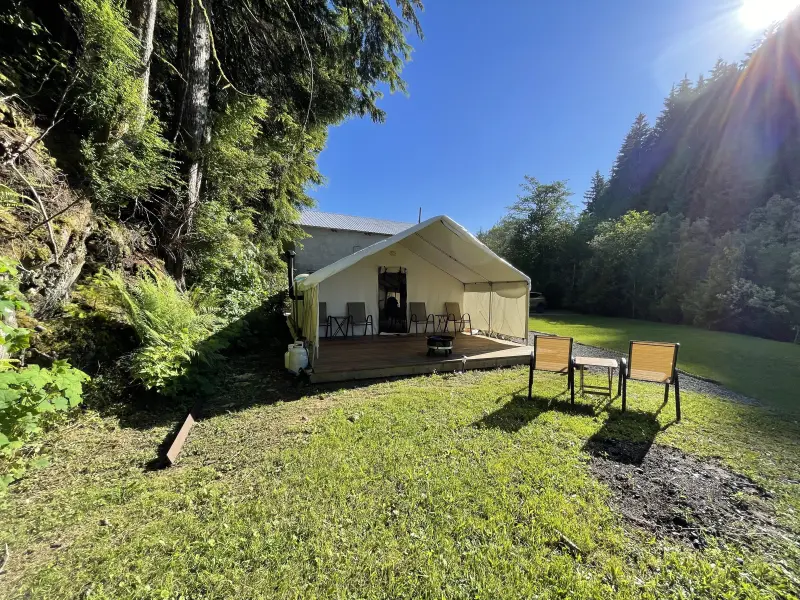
point(237, 368)
point(626, 437)
point(519, 411)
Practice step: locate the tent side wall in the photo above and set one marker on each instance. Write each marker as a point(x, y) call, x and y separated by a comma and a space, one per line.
point(359, 283)
point(499, 307)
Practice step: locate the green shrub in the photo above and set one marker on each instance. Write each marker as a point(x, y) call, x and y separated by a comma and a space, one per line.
point(31, 397)
point(125, 154)
point(174, 328)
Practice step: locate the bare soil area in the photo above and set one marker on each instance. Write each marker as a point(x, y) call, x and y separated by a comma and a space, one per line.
point(671, 493)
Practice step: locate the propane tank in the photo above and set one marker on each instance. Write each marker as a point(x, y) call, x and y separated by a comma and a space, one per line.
point(296, 358)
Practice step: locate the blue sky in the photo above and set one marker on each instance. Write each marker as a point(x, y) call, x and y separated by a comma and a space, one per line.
point(498, 90)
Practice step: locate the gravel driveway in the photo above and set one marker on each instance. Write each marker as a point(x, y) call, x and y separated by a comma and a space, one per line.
point(688, 382)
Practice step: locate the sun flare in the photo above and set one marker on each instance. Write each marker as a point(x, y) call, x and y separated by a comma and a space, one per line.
point(759, 14)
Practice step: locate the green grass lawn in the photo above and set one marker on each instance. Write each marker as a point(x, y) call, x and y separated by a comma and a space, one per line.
point(431, 487)
point(759, 368)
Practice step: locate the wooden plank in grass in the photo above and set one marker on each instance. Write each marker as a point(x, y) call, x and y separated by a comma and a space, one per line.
point(180, 439)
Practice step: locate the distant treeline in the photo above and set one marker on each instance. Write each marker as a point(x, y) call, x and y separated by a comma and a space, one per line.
point(699, 220)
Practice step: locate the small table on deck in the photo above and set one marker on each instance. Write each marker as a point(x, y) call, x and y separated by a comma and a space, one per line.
point(440, 323)
point(341, 323)
point(589, 361)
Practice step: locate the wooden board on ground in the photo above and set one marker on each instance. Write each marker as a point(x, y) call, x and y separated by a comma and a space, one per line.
point(180, 439)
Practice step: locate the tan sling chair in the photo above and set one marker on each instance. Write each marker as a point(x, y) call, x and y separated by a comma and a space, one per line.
point(553, 353)
point(652, 361)
point(456, 317)
point(419, 315)
point(357, 315)
point(324, 320)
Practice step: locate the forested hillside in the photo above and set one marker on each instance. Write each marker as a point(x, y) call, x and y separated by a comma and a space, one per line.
point(699, 220)
point(153, 157)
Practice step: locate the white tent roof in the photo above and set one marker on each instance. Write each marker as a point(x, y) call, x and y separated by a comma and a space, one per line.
point(441, 242)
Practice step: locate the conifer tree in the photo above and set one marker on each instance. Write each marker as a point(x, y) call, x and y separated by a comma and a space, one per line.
point(631, 170)
point(592, 196)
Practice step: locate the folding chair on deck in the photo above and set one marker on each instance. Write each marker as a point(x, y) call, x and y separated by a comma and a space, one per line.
point(357, 313)
point(456, 317)
point(418, 316)
point(324, 320)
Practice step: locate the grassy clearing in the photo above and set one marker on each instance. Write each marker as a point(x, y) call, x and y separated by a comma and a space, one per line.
point(762, 369)
point(432, 487)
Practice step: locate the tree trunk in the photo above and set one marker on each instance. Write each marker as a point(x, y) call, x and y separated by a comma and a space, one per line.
point(143, 19)
point(194, 38)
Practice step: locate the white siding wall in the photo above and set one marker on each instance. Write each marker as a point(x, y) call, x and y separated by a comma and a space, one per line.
point(359, 283)
point(329, 245)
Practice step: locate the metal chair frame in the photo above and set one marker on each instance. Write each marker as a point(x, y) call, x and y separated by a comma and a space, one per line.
point(625, 375)
point(414, 320)
point(367, 322)
point(570, 366)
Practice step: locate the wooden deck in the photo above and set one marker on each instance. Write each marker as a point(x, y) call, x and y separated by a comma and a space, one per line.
point(388, 356)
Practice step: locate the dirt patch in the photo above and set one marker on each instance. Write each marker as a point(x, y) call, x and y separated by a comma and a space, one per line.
point(674, 494)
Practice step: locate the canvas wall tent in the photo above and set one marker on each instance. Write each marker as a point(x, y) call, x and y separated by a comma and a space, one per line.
point(443, 262)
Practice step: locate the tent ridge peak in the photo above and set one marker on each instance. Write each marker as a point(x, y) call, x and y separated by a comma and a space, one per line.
point(468, 240)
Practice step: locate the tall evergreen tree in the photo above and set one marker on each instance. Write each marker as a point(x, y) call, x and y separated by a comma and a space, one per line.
point(597, 188)
point(631, 171)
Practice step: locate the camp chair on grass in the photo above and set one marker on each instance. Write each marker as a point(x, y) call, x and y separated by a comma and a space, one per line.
point(357, 312)
point(455, 316)
point(652, 361)
point(418, 316)
point(553, 353)
point(324, 320)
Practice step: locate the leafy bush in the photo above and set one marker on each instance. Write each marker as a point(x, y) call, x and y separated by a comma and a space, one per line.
point(173, 327)
point(31, 397)
point(753, 309)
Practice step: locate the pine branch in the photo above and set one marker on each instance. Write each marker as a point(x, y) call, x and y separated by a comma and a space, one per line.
point(53, 216)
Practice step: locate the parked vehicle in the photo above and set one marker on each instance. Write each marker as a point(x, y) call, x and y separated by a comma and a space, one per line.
point(538, 303)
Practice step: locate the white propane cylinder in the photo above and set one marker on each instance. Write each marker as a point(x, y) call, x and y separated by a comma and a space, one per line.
point(296, 358)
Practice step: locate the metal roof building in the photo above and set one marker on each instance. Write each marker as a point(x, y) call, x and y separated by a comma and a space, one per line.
point(326, 220)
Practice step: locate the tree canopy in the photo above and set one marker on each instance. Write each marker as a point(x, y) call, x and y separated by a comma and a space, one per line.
point(201, 120)
point(699, 220)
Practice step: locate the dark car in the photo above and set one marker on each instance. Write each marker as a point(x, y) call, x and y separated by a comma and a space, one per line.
point(538, 303)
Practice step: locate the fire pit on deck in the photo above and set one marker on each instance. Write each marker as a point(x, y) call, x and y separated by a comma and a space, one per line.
point(440, 343)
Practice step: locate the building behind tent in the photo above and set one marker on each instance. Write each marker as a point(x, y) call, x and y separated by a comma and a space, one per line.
point(333, 236)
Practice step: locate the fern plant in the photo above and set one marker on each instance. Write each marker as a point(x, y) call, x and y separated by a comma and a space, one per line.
point(174, 328)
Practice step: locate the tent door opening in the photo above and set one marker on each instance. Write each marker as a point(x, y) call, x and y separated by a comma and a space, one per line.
point(392, 300)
